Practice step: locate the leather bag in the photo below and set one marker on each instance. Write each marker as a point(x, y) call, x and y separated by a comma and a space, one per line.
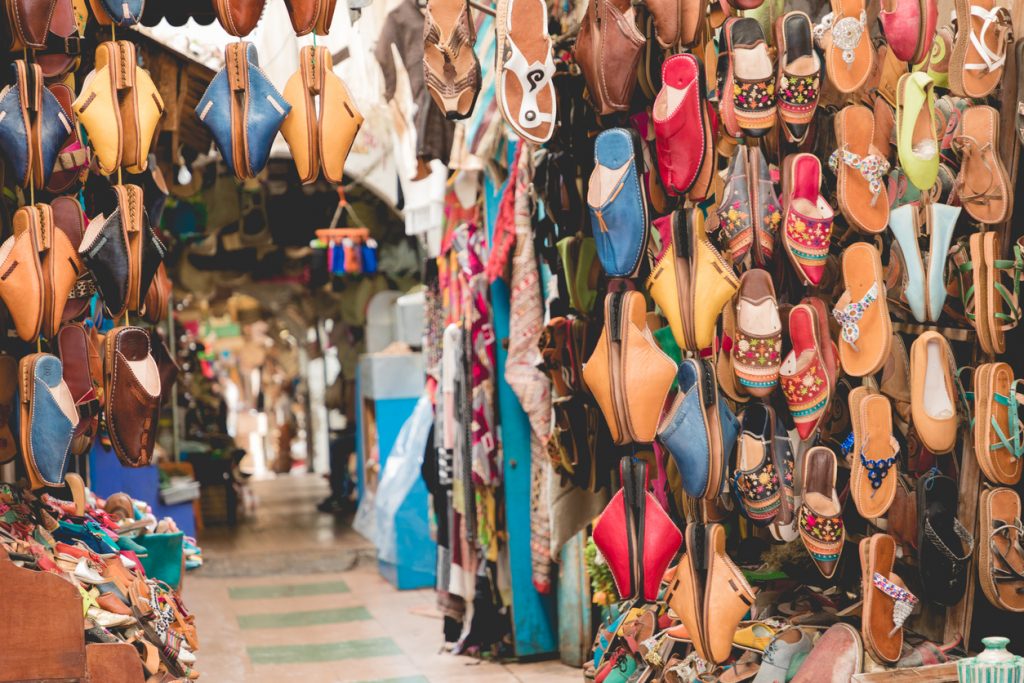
point(628, 374)
point(310, 16)
point(636, 536)
point(323, 121)
point(608, 50)
point(243, 110)
point(239, 17)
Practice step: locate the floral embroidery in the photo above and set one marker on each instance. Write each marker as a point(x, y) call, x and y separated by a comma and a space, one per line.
point(758, 491)
point(873, 167)
point(821, 528)
point(754, 95)
point(798, 92)
point(736, 225)
point(758, 352)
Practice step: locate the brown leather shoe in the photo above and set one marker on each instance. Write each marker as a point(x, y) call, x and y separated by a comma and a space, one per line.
point(61, 267)
point(727, 598)
point(69, 219)
point(131, 381)
point(239, 17)
point(8, 383)
point(311, 15)
point(21, 274)
point(78, 352)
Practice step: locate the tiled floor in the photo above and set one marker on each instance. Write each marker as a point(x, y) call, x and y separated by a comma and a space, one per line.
point(294, 595)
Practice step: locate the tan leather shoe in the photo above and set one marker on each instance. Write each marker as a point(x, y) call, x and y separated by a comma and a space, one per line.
point(933, 401)
point(686, 594)
point(61, 267)
point(21, 274)
point(320, 137)
point(727, 598)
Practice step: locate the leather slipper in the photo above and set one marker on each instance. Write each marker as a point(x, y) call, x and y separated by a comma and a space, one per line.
point(748, 106)
point(932, 396)
point(843, 36)
point(757, 353)
point(798, 79)
point(887, 602)
point(21, 274)
point(979, 47)
point(837, 655)
point(916, 141)
point(875, 467)
point(944, 545)
point(997, 427)
point(860, 170)
point(821, 514)
point(806, 378)
point(1001, 567)
point(983, 183)
point(524, 90)
point(863, 312)
point(807, 226)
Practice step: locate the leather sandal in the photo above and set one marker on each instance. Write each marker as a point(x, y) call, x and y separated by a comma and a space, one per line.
point(989, 305)
point(887, 602)
point(524, 90)
point(979, 47)
point(450, 66)
point(798, 80)
point(933, 395)
point(757, 353)
point(944, 544)
point(983, 183)
point(1001, 564)
point(860, 170)
point(863, 312)
point(998, 433)
point(875, 454)
point(807, 226)
point(821, 514)
point(843, 37)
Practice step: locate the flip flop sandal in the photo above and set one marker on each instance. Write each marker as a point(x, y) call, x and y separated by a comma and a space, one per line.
point(979, 47)
point(1001, 568)
point(798, 79)
point(944, 545)
point(807, 226)
point(875, 454)
point(843, 36)
point(983, 183)
point(860, 170)
point(821, 514)
point(757, 353)
point(998, 432)
point(1002, 303)
point(747, 88)
point(887, 602)
point(933, 395)
point(524, 89)
point(805, 377)
point(863, 313)
point(916, 142)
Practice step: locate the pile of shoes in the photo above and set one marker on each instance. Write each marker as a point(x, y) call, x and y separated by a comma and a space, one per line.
point(125, 564)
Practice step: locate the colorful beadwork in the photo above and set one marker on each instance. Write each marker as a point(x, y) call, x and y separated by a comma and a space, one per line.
point(904, 599)
point(877, 469)
point(850, 315)
point(873, 167)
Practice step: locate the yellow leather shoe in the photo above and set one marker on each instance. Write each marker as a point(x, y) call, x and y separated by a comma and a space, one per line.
point(120, 108)
point(756, 636)
point(319, 139)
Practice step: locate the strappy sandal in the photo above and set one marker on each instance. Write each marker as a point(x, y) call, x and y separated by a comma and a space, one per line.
point(998, 432)
point(887, 602)
point(524, 90)
point(860, 170)
point(979, 48)
point(1001, 566)
point(944, 544)
point(451, 69)
point(983, 182)
point(843, 36)
point(863, 312)
point(989, 305)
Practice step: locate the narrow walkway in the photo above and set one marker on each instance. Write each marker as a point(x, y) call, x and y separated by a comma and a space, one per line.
point(294, 595)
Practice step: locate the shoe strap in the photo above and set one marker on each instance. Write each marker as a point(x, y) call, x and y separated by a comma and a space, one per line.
point(874, 168)
point(1000, 18)
point(962, 533)
point(879, 469)
point(904, 600)
point(849, 314)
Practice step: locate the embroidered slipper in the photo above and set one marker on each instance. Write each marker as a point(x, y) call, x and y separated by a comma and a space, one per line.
point(863, 312)
point(983, 183)
point(806, 378)
point(747, 81)
point(916, 142)
point(807, 231)
point(887, 602)
point(798, 78)
point(821, 514)
point(860, 170)
point(757, 353)
point(451, 69)
point(524, 89)
point(1001, 568)
point(944, 544)
point(765, 205)
point(875, 470)
point(724, 366)
point(997, 427)
point(932, 393)
point(979, 47)
point(735, 214)
point(843, 37)
point(756, 481)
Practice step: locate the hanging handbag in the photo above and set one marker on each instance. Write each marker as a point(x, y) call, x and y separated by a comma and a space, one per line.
point(608, 51)
point(628, 374)
point(635, 535)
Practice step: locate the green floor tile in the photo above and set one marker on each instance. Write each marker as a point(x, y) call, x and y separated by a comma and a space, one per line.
point(325, 652)
point(287, 590)
point(310, 618)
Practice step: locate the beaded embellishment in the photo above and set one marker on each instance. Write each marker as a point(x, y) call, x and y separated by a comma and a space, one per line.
point(873, 167)
point(850, 315)
point(904, 600)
